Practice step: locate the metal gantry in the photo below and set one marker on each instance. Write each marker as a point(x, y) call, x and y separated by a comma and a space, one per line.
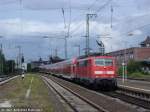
point(87, 49)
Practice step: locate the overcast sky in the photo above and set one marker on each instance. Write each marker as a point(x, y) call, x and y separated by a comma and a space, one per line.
point(25, 23)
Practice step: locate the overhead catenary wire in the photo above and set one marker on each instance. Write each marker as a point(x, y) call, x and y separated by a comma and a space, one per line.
point(97, 11)
point(21, 16)
point(69, 24)
point(103, 6)
point(92, 4)
point(129, 33)
point(8, 2)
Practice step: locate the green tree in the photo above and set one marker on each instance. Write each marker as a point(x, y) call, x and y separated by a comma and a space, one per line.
point(29, 67)
point(9, 66)
point(134, 66)
point(2, 62)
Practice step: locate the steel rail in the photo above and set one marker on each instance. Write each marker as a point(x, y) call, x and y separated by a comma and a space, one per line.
point(80, 97)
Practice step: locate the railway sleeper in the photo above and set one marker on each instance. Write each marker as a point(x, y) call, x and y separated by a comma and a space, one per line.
point(142, 96)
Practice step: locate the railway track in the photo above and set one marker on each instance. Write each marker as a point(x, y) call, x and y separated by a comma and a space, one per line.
point(6, 79)
point(136, 96)
point(76, 102)
point(127, 97)
point(104, 101)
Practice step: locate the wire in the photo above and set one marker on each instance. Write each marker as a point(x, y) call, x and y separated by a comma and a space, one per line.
point(21, 16)
point(69, 24)
point(92, 4)
point(103, 6)
point(8, 2)
point(141, 27)
point(77, 28)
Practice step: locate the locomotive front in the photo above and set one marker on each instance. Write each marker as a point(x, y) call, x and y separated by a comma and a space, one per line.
point(104, 72)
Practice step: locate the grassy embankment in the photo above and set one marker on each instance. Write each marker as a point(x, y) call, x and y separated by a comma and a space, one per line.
point(15, 92)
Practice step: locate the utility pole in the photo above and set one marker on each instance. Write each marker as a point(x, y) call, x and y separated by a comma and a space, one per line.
point(124, 64)
point(125, 59)
point(77, 45)
point(19, 57)
point(12, 69)
point(111, 15)
point(66, 53)
point(1, 58)
point(56, 52)
point(87, 49)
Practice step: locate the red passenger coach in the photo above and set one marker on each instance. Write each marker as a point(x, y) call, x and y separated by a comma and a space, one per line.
point(95, 71)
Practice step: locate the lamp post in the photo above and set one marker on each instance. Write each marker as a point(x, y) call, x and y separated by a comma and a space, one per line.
point(124, 61)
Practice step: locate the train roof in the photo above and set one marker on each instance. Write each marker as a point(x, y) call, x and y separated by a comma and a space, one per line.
point(94, 55)
point(69, 61)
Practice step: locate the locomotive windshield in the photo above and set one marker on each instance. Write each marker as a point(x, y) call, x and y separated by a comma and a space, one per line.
point(103, 62)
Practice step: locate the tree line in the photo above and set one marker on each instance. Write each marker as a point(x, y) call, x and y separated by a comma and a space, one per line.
point(6, 66)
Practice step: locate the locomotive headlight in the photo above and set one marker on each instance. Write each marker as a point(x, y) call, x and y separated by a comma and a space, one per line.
point(98, 72)
point(110, 72)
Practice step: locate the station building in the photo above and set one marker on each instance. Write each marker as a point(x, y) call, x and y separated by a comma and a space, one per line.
point(141, 53)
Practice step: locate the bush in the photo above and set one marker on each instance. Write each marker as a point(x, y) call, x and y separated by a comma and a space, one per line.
point(119, 72)
point(133, 66)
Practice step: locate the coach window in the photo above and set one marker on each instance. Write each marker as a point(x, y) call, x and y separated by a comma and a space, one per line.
point(80, 63)
point(83, 63)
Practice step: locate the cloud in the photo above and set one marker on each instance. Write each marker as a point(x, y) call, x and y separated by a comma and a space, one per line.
point(136, 32)
point(129, 16)
point(75, 4)
point(13, 27)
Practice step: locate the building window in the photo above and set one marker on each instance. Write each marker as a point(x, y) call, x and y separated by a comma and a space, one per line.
point(131, 56)
point(147, 45)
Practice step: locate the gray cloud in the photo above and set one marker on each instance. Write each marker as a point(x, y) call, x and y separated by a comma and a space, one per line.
point(130, 15)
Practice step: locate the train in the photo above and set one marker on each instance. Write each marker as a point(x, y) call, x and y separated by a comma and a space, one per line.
point(98, 72)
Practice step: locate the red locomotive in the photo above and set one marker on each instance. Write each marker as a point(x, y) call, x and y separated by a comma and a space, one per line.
point(95, 71)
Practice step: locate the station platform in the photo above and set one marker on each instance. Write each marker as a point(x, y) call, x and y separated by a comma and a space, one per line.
point(135, 84)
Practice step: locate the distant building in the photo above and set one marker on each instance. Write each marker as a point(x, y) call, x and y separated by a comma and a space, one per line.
point(136, 53)
point(146, 43)
point(24, 66)
point(36, 64)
